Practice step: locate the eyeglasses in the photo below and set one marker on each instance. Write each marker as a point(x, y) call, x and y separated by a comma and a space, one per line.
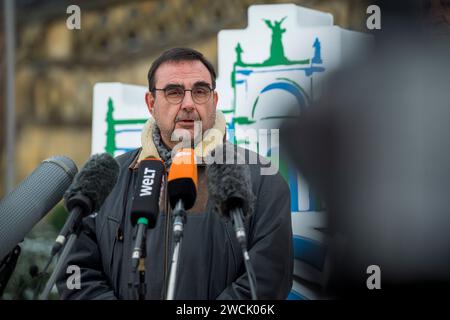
point(175, 94)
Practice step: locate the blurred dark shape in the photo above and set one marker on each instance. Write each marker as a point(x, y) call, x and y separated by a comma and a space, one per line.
point(7, 266)
point(34, 271)
point(438, 18)
point(377, 146)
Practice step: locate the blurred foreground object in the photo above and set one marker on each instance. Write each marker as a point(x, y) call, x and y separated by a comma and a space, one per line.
point(32, 199)
point(377, 147)
point(26, 205)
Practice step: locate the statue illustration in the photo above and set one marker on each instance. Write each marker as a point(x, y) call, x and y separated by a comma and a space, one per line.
point(276, 49)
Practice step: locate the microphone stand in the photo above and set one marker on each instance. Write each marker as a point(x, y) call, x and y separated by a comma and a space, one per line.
point(178, 226)
point(59, 265)
point(7, 266)
point(236, 216)
point(76, 213)
point(139, 255)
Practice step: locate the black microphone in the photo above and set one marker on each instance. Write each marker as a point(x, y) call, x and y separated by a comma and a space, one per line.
point(87, 193)
point(230, 188)
point(32, 199)
point(145, 203)
point(89, 190)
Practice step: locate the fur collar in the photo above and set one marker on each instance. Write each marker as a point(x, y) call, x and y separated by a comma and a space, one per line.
point(214, 137)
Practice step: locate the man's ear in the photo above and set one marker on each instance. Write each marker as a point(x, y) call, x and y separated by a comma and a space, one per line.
point(215, 99)
point(150, 101)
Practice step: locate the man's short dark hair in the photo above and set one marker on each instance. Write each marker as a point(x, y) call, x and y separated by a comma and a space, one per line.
point(176, 55)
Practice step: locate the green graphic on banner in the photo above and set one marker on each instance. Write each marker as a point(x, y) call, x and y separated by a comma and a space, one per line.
point(242, 72)
point(257, 85)
point(111, 131)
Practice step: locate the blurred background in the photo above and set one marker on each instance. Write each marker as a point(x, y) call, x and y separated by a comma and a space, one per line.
point(56, 68)
point(376, 147)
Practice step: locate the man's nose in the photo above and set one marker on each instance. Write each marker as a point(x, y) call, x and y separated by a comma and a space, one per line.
point(187, 103)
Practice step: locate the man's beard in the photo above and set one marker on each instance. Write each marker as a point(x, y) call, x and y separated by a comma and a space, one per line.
point(184, 136)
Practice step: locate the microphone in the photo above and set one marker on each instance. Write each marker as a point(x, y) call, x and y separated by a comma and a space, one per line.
point(145, 205)
point(182, 191)
point(182, 186)
point(87, 193)
point(32, 199)
point(230, 188)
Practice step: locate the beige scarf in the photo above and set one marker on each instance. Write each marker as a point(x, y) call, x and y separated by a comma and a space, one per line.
point(213, 137)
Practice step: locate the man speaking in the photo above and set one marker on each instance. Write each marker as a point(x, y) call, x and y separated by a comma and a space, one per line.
point(182, 99)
